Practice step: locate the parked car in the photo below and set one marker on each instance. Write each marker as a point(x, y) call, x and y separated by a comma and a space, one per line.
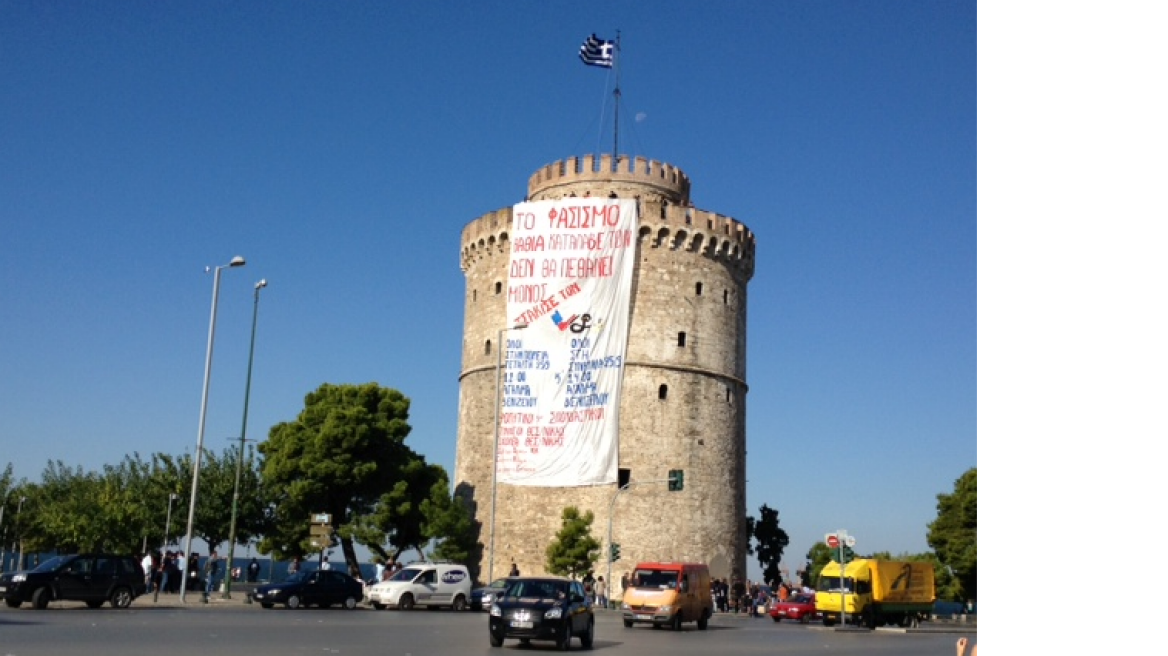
point(797, 607)
point(429, 583)
point(322, 588)
point(542, 608)
point(92, 578)
point(480, 598)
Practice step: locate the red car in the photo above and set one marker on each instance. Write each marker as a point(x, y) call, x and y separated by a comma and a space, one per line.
point(798, 607)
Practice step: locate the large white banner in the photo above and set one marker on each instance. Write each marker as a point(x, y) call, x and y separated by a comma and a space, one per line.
point(571, 274)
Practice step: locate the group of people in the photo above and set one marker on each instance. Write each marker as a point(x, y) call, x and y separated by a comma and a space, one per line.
point(598, 588)
point(749, 597)
point(164, 572)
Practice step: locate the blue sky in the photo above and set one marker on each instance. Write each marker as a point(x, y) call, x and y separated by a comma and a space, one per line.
point(340, 147)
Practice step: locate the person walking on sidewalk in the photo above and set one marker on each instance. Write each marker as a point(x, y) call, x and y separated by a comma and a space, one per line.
point(210, 573)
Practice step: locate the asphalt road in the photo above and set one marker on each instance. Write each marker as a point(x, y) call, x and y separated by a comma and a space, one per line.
point(232, 627)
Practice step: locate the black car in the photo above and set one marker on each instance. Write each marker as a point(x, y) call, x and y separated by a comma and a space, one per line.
point(542, 608)
point(480, 598)
point(92, 578)
point(321, 587)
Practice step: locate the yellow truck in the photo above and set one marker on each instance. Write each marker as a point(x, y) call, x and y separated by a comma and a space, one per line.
point(876, 592)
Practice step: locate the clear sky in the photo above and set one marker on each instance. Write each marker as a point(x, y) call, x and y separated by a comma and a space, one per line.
point(340, 147)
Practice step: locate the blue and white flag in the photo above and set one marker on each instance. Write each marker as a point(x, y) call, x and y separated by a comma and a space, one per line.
point(597, 52)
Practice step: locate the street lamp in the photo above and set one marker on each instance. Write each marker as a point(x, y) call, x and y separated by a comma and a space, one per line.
point(16, 536)
point(166, 532)
point(495, 446)
point(236, 261)
point(242, 438)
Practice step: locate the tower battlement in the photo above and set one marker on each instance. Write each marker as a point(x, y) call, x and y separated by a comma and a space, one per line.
point(581, 175)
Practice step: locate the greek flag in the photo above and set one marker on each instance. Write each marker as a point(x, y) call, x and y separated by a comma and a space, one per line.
point(597, 52)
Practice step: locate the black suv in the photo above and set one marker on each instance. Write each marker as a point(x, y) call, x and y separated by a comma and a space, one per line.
point(542, 608)
point(92, 578)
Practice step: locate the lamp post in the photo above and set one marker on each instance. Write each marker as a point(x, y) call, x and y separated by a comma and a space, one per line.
point(236, 261)
point(16, 536)
point(242, 438)
point(166, 531)
point(495, 445)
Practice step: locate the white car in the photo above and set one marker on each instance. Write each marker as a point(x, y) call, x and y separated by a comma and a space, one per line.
point(424, 584)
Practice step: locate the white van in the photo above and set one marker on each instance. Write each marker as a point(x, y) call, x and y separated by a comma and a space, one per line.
point(424, 584)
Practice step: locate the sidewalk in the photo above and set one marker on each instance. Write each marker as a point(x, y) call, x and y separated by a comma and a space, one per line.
point(194, 598)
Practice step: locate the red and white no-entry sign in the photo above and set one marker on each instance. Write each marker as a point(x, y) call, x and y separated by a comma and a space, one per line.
point(833, 541)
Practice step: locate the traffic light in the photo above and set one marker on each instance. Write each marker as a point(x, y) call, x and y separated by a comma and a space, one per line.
point(613, 552)
point(676, 480)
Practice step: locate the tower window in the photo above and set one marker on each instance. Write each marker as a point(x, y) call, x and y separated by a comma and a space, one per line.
point(662, 392)
point(725, 297)
point(681, 339)
point(498, 288)
point(698, 289)
point(487, 350)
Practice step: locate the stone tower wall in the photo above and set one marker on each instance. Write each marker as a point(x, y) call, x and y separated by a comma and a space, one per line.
point(683, 402)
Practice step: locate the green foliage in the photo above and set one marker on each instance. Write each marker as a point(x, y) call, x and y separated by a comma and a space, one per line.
point(574, 551)
point(449, 519)
point(771, 541)
point(953, 535)
point(818, 557)
point(345, 454)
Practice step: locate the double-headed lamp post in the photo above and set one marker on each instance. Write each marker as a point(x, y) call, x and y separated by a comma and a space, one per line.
point(495, 446)
point(255, 311)
point(236, 261)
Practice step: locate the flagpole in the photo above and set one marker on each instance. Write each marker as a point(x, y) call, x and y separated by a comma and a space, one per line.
point(616, 104)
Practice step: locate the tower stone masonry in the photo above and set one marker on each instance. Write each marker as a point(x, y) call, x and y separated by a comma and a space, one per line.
point(683, 402)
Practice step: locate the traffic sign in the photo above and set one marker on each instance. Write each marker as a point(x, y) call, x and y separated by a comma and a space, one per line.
point(850, 540)
point(321, 518)
point(832, 540)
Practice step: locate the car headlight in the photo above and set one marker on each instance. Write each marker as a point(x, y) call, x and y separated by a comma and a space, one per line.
point(665, 609)
point(273, 593)
point(496, 611)
point(487, 598)
point(18, 578)
point(554, 613)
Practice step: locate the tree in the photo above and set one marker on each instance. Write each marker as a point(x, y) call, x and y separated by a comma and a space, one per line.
point(771, 541)
point(450, 521)
point(345, 450)
point(574, 551)
point(953, 535)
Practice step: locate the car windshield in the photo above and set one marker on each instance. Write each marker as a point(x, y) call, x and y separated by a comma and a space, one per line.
point(52, 564)
point(537, 589)
point(407, 574)
point(654, 578)
point(800, 599)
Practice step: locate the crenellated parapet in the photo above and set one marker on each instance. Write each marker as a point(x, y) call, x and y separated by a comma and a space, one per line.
point(709, 234)
point(581, 176)
point(486, 236)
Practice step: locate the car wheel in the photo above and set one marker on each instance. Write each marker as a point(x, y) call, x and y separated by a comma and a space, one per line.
point(777, 618)
point(293, 602)
point(94, 603)
point(496, 640)
point(350, 603)
point(121, 598)
point(406, 602)
point(12, 603)
point(676, 623)
point(40, 598)
point(628, 624)
point(266, 605)
point(586, 639)
point(564, 637)
point(460, 603)
point(806, 619)
point(704, 620)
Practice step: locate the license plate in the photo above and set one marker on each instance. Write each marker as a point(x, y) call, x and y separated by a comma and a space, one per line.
point(521, 625)
point(644, 617)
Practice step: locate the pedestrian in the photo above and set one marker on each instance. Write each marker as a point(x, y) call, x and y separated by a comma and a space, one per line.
point(211, 571)
point(253, 570)
point(148, 571)
point(378, 569)
point(324, 564)
point(192, 572)
point(294, 566)
point(601, 589)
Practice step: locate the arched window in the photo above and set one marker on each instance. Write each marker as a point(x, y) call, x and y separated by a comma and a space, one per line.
point(662, 392)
